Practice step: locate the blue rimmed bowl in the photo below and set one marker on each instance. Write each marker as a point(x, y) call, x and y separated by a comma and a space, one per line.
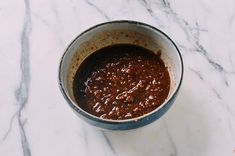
point(120, 32)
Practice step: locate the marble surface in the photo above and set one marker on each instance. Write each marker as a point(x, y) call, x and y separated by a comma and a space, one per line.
point(35, 119)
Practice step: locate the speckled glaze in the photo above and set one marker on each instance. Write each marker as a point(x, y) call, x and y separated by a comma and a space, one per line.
point(117, 32)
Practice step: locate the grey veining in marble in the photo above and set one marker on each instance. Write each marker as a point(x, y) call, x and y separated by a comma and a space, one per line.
point(22, 91)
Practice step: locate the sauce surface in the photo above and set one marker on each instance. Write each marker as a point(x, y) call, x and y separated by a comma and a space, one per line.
point(121, 82)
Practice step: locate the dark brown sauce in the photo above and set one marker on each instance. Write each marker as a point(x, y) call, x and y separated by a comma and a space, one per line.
point(121, 82)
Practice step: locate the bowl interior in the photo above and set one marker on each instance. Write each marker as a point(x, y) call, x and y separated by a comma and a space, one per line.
point(119, 33)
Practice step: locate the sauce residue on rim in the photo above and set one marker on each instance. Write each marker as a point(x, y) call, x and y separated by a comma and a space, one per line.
point(121, 82)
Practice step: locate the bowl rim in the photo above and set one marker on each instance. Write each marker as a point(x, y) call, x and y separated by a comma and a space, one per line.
point(79, 110)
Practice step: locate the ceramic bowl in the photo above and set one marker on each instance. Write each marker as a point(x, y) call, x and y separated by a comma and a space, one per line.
point(120, 32)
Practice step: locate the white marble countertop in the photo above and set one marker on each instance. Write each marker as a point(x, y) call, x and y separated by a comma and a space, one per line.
point(35, 119)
